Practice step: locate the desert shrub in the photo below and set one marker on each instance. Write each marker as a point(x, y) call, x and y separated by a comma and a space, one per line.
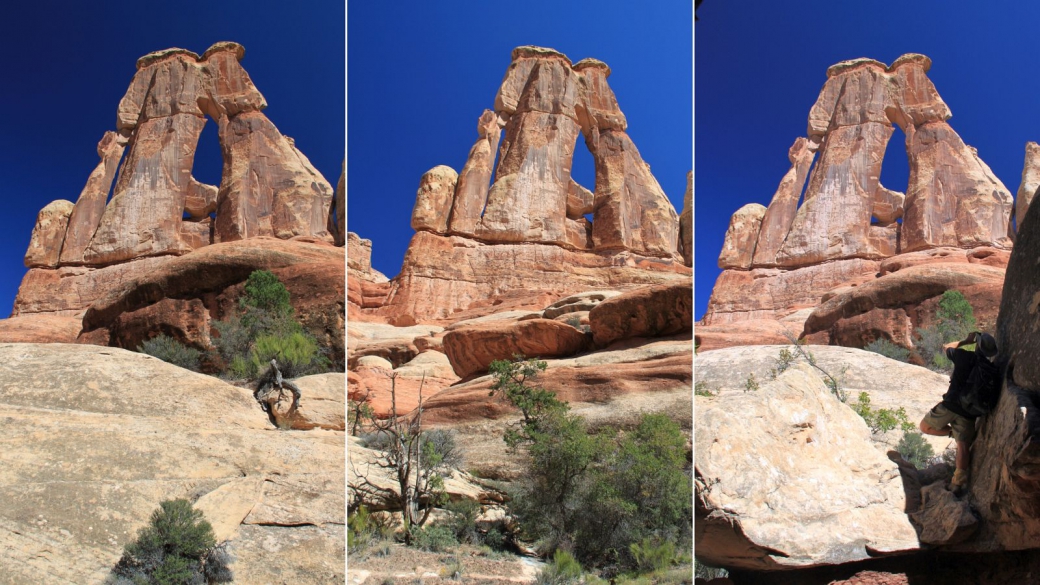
point(915, 449)
point(295, 353)
point(463, 521)
point(597, 493)
point(954, 320)
point(433, 538)
point(176, 547)
point(701, 389)
point(360, 530)
point(881, 420)
point(654, 555)
point(751, 384)
point(453, 569)
point(955, 317)
point(563, 570)
point(172, 351)
point(783, 361)
point(494, 539)
point(888, 349)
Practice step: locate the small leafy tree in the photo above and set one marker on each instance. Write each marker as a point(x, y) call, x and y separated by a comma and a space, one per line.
point(881, 420)
point(595, 494)
point(176, 547)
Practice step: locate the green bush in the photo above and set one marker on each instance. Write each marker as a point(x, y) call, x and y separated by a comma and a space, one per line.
point(434, 538)
point(888, 349)
point(915, 449)
point(654, 555)
point(172, 351)
point(463, 521)
point(265, 292)
point(176, 547)
point(563, 570)
point(955, 317)
point(881, 420)
point(954, 320)
point(596, 492)
point(295, 353)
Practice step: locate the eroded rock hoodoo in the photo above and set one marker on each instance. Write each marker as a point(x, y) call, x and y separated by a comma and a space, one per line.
point(849, 229)
point(105, 260)
point(479, 238)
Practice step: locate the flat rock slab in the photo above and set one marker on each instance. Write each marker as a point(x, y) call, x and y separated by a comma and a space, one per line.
point(96, 437)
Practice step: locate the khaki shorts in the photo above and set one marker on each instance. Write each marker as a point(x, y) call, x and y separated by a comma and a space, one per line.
point(940, 416)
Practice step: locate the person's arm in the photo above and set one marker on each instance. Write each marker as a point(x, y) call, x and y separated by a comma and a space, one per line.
point(953, 345)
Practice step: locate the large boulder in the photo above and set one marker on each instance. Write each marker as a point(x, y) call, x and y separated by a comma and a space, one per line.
point(653, 311)
point(799, 487)
point(471, 349)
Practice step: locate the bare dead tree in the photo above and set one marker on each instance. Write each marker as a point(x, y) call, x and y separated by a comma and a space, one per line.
point(414, 465)
point(271, 382)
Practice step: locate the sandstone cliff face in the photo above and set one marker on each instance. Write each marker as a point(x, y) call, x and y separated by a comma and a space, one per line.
point(488, 233)
point(849, 226)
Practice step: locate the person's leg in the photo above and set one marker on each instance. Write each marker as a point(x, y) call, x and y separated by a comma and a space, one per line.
point(937, 422)
point(963, 455)
point(928, 430)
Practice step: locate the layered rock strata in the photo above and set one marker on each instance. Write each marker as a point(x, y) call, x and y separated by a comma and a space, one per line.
point(791, 257)
point(490, 231)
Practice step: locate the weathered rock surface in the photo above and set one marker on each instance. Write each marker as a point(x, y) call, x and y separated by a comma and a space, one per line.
point(321, 404)
point(97, 437)
point(434, 199)
point(585, 301)
point(801, 487)
point(739, 246)
point(339, 211)
point(654, 311)
point(1005, 482)
point(779, 217)
point(1030, 183)
point(91, 203)
point(652, 367)
point(889, 383)
point(48, 234)
point(40, 329)
point(945, 520)
point(471, 349)
point(686, 223)
point(441, 276)
point(896, 304)
point(848, 219)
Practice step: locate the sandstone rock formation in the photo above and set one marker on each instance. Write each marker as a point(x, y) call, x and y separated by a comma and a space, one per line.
point(1005, 457)
point(1030, 183)
point(491, 232)
point(803, 486)
point(268, 186)
point(161, 256)
point(686, 223)
point(850, 230)
point(471, 349)
point(739, 246)
point(48, 235)
point(97, 437)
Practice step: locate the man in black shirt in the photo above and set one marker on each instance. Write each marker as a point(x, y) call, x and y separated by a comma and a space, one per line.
point(949, 418)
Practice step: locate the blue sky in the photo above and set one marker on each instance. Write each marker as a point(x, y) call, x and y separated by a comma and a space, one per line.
point(69, 63)
point(421, 73)
point(760, 66)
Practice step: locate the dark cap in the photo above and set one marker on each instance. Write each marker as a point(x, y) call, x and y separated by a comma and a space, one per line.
point(986, 345)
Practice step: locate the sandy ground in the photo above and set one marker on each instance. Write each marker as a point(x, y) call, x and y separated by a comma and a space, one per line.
point(405, 565)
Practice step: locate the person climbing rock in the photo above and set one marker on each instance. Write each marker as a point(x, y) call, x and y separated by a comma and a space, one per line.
point(974, 388)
